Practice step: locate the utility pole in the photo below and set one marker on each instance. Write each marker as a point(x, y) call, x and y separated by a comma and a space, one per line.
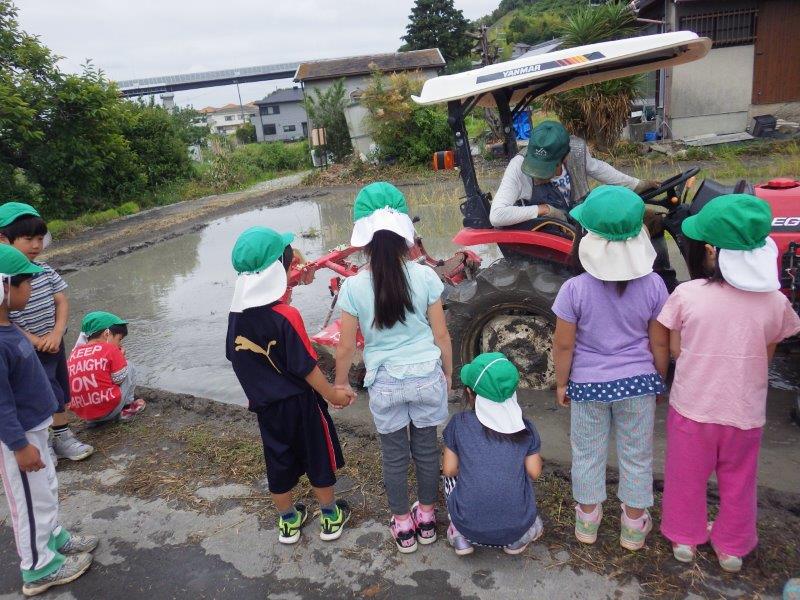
point(241, 107)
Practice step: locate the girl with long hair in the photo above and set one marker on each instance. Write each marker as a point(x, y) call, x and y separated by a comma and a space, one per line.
point(397, 304)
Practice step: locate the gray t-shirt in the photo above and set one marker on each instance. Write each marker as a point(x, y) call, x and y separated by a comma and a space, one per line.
point(493, 501)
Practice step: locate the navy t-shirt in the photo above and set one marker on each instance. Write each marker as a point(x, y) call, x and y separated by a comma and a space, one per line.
point(270, 352)
point(26, 398)
point(493, 502)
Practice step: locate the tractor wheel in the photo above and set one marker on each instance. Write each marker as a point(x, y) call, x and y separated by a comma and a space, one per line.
point(506, 308)
point(796, 409)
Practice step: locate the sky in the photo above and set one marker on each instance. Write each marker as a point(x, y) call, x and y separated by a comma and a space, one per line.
point(130, 39)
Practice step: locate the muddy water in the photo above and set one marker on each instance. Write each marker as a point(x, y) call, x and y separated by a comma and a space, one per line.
point(176, 294)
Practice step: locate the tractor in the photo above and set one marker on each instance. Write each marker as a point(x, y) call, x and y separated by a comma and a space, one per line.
point(506, 306)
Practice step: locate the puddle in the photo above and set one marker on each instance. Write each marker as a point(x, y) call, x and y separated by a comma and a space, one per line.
point(176, 294)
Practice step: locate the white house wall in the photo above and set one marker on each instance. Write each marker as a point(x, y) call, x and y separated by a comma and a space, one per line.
point(712, 95)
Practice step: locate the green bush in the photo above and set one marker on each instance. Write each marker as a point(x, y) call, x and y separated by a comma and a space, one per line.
point(403, 130)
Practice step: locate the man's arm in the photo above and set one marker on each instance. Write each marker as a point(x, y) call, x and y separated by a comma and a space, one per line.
point(605, 173)
point(504, 212)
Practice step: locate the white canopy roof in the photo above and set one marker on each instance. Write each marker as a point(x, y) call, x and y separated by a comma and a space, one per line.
point(576, 66)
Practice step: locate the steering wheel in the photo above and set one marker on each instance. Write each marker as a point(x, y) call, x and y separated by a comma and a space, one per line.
point(672, 187)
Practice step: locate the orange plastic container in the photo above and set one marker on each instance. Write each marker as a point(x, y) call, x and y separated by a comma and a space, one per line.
point(445, 159)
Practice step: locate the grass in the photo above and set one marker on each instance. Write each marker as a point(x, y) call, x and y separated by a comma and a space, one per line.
point(232, 170)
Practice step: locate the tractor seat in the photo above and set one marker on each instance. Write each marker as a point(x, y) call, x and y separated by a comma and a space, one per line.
point(711, 189)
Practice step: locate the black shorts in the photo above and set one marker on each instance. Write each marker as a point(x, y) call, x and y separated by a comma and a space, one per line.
point(55, 365)
point(299, 437)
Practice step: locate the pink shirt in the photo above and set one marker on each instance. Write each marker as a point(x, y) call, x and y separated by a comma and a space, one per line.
point(721, 373)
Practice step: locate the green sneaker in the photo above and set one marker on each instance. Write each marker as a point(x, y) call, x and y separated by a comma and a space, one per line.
point(586, 526)
point(633, 532)
point(289, 531)
point(332, 527)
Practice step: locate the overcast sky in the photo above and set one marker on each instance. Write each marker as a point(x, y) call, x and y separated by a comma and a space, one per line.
point(146, 38)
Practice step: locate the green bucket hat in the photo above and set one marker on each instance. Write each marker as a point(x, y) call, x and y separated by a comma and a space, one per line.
point(376, 196)
point(612, 212)
point(14, 262)
point(257, 248)
point(547, 147)
point(492, 376)
point(731, 222)
point(380, 206)
point(11, 211)
point(99, 321)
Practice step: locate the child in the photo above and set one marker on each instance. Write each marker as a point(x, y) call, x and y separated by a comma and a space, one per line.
point(611, 356)
point(494, 453)
point(397, 303)
point(49, 554)
point(44, 320)
point(723, 331)
point(272, 357)
point(101, 379)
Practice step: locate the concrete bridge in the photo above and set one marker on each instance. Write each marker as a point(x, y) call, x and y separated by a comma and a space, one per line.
point(168, 84)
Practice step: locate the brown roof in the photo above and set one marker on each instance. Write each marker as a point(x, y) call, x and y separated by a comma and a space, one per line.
point(360, 65)
point(231, 106)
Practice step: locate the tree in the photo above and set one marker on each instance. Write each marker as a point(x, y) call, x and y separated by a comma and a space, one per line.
point(326, 109)
point(246, 133)
point(402, 129)
point(597, 112)
point(438, 24)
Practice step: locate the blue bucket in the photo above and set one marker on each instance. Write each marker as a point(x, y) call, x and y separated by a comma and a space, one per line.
point(650, 136)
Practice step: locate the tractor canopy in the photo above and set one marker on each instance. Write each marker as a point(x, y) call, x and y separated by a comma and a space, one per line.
point(566, 69)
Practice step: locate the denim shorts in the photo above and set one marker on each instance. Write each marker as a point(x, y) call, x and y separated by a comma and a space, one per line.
point(397, 402)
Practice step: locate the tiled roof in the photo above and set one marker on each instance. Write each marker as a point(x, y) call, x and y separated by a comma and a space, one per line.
point(360, 65)
point(282, 96)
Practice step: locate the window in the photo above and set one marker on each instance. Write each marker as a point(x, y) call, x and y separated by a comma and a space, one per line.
point(230, 117)
point(288, 128)
point(728, 28)
point(270, 109)
point(269, 129)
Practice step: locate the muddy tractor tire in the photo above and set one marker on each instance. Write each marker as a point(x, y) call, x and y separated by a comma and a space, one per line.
point(506, 308)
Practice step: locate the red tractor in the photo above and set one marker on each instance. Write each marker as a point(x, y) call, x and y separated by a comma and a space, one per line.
point(506, 306)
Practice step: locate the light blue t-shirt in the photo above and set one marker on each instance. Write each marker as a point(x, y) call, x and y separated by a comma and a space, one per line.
point(408, 343)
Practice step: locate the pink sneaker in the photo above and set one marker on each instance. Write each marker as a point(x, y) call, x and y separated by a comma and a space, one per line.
point(633, 532)
point(425, 522)
point(404, 533)
point(728, 562)
point(133, 409)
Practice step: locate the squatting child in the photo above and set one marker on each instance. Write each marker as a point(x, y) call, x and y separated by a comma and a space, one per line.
point(407, 353)
point(611, 356)
point(272, 357)
point(102, 381)
point(49, 554)
point(491, 458)
point(724, 326)
point(44, 319)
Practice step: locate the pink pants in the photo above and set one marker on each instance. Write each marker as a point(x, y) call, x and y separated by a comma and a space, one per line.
point(694, 451)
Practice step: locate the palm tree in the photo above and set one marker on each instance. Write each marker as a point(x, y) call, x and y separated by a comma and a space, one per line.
point(597, 112)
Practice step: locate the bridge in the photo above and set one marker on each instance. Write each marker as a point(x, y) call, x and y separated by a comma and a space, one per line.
point(190, 81)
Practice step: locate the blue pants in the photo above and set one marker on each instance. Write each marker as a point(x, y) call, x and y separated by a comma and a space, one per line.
point(591, 423)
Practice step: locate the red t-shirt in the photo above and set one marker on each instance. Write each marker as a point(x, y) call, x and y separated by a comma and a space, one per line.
point(94, 393)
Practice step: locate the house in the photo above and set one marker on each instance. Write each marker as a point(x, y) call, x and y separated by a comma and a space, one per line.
point(752, 69)
point(281, 116)
point(227, 119)
point(357, 73)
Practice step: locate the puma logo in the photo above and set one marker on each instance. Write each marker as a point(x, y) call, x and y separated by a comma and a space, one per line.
point(242, 343)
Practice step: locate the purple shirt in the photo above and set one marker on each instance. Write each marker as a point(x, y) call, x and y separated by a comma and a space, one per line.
point(612, 340)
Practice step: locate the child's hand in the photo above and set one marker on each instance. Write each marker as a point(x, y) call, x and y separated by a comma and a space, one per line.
point(29, 459)
point(345, 396)
point(50, 342)
point(561, 395)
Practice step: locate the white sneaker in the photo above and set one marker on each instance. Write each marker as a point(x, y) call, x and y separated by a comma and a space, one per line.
point(66, 445)
point(51, 450)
